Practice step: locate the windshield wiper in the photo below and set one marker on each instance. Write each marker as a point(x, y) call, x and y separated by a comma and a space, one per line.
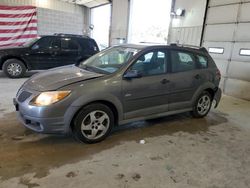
point(93, 69)
point(86, 67)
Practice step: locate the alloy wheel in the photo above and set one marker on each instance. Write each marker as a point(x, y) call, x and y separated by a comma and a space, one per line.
point(203, 105)
point(95, 124)
point(14, 69)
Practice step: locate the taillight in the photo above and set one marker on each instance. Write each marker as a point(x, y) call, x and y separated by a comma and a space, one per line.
point(218, 74)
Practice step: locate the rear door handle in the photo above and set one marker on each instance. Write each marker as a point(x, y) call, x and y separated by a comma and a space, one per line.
point(197, 76)
point(164, 81)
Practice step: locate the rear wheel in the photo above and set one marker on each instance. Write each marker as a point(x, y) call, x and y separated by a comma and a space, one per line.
point(14, 68)
point(202, 105)
point(93, 123)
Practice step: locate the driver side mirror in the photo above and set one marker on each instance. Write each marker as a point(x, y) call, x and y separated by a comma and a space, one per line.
point(132, 74)
point(35, 47)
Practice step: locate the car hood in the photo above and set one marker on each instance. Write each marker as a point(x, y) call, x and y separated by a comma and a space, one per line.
point(12, 50)
point(56, 78)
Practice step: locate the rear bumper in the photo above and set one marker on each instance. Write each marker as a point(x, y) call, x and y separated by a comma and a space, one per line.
point(217, 97)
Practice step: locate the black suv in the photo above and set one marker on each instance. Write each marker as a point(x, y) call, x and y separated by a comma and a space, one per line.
point(46, 52)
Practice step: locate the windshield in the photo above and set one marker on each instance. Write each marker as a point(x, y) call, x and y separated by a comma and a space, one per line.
point(30, 42)
point(110, 60)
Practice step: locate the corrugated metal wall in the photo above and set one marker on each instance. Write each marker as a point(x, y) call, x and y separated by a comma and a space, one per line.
point(227, 33)
point(186, 35)
point(188, 29)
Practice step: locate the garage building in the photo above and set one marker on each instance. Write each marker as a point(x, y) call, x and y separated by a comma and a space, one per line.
point(172, 151)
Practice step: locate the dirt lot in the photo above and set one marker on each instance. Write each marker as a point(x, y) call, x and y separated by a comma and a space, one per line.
point(179, 151)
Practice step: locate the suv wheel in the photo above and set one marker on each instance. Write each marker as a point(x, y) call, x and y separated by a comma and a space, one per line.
point(202, 105)
point(93, 123)
point(14, 68)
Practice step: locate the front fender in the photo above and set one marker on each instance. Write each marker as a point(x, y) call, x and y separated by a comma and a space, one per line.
point(87, 99)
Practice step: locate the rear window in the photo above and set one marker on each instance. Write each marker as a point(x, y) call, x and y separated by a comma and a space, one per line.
point(202, 61)
point(89, 46)
point(92, 45)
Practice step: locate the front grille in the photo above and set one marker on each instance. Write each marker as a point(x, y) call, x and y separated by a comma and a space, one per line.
point(23, 96)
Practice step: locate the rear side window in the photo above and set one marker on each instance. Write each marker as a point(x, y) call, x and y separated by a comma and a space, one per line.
point(68, 44)
point(202, 61)
point(182, 61)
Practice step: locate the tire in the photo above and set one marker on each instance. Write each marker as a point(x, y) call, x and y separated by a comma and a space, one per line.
point(202, 105)
point(93, 123)
point(14, 68)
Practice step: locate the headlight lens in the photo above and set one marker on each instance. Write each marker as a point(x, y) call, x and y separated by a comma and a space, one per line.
point(50, 97)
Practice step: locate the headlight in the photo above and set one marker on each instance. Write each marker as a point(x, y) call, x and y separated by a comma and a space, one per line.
point(50, 97)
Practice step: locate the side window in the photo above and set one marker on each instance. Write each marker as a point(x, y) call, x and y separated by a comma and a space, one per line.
point(56, 43)
point(202, 61)
point(68, 44)
point(44, 43)
point(151, 63)
point(182, 61)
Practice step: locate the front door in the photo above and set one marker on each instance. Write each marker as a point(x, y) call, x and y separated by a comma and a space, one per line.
point(148, 94)
point(43, 55)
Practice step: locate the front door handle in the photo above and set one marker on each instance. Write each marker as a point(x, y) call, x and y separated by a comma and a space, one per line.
point(164, 81)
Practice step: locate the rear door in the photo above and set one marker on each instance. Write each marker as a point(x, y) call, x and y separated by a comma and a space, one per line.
point(148, 94)
point(70, 51)
point(185, 78)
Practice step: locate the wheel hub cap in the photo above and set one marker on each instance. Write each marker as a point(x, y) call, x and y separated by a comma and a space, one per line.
point(95, 124)
point(203, 104)
point(14, 69)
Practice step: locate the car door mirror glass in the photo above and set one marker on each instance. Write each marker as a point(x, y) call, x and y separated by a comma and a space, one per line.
point(132, 74)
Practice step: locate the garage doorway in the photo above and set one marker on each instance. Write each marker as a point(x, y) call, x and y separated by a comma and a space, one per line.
point(149, 21)
point(100, 19)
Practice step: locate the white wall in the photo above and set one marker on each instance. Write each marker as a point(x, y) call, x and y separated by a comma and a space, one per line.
point(194, 15)
point(56, 16)
point(49, 4)
point(54, 21)
point(188, 29)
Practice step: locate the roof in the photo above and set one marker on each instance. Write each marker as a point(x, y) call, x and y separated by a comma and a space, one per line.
point(142, 45)
point(67, 35)
point(151, 45)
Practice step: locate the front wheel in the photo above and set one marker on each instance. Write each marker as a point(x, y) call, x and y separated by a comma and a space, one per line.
point(93, 123)
point(14, 68)
point(202, 105)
